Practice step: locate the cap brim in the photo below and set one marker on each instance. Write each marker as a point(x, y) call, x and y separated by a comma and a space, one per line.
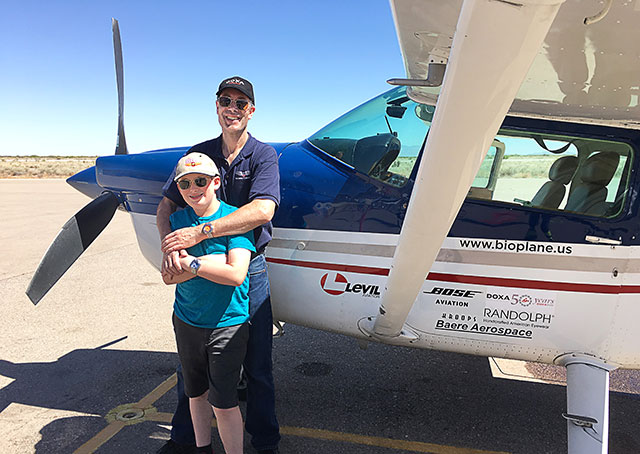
point(191, 172)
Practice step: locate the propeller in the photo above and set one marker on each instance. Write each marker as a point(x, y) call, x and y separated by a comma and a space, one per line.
point(121, 145)
point(72, 240)
point(84, 227)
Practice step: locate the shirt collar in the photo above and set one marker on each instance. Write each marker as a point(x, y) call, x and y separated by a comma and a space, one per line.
point(244, 153)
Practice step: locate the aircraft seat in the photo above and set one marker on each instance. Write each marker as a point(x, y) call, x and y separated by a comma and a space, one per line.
point(337, 147)
point(374, 155)
point(589, 195)
point(551, 193)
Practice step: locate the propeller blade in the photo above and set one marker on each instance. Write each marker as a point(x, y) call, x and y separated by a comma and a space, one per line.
point(121, 146)
point(72, 240)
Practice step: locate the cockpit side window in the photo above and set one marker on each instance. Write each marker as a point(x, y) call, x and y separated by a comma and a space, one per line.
point(381, 138)
point(575, 174)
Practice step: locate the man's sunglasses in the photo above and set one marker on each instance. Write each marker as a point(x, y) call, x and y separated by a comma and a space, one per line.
point(200, 182)
point(241, 104)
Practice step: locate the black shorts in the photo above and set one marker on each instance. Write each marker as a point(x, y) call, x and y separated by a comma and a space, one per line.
point(211, 360)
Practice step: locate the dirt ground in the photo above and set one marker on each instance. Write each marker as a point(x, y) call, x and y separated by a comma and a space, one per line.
point(43, 166)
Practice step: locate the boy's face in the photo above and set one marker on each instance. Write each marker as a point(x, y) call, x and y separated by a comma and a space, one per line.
point(201, 190)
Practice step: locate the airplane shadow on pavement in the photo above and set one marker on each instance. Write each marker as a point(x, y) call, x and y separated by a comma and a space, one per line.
point(92, 381)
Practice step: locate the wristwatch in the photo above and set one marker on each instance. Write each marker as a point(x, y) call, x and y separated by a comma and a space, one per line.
point(194, 266)
point(207, 229)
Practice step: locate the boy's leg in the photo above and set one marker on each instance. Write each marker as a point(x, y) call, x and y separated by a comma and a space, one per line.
point(191, 342)
point(227, 347)
point(230, 428)
point(201, 415)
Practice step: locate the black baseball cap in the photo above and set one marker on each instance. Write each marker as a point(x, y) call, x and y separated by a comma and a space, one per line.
point(240, 84)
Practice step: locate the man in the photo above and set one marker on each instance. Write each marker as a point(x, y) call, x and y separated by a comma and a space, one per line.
point(251, 182)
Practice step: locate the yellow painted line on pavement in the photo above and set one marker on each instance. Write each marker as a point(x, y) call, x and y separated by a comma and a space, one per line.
point(318, 434)
point(116, 425)
point(404, 445)
point(159, 391)
point(101, 438)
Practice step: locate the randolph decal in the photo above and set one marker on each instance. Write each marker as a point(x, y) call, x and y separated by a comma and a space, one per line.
point(530, 309)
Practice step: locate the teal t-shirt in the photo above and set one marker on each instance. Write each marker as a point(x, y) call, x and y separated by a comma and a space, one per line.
point(200, 302)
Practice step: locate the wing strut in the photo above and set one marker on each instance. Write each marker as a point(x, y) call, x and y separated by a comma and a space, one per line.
point(587, 403)
point(494, 45)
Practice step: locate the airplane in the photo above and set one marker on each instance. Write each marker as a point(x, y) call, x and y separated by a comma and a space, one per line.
point(486, 204)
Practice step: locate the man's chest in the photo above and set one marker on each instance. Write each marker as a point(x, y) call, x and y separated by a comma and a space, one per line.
point(236, 183)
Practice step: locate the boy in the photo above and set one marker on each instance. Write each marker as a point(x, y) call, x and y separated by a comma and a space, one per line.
point(211, 307)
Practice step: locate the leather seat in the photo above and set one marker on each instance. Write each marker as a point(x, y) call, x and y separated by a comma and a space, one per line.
point(551, 193)
point(374, 155)
point(589, 192)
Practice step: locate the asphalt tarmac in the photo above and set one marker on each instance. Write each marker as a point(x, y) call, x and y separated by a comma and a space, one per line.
point(90, 369)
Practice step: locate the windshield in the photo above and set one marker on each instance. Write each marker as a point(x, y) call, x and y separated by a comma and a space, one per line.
point(381, 138)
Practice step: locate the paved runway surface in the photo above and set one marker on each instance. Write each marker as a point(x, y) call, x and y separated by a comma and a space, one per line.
point(90, 368)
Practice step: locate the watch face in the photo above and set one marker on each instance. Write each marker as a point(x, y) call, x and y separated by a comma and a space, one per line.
point(194, 265)
point(206, 228)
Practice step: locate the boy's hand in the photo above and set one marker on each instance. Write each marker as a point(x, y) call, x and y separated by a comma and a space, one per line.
point(171, 263)
point(185, 261)
point(182, 239)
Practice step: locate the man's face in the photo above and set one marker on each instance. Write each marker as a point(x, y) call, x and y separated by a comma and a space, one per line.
point(231, 118)
point(201, 190)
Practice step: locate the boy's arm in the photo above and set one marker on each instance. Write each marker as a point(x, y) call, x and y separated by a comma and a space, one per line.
point(230, 272)
point(223, 269)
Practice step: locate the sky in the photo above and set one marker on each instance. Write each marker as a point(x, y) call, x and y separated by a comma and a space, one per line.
point(309, 62)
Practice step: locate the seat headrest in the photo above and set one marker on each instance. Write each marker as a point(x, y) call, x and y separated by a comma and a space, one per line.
point(599, 168)
point(563, 169)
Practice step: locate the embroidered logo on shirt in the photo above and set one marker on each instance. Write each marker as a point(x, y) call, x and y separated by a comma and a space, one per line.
point(243, 174)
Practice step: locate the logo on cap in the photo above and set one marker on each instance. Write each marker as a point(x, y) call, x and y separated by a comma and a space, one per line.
point(190, 162)
point(234, 81)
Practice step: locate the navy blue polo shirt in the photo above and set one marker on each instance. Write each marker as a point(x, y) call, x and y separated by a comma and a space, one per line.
point(253, 174)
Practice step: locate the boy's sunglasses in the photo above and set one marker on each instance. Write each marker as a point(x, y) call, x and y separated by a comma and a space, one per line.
point(200, 182)
point(241, 104)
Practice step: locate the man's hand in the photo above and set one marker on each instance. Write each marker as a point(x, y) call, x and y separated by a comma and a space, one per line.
point(181, 239)
point(171, 262)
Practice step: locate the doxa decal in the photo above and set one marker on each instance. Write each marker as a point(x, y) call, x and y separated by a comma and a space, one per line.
point(336, 284)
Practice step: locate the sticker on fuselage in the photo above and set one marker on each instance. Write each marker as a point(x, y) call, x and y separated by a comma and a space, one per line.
point(337, 284)
point(515, 314)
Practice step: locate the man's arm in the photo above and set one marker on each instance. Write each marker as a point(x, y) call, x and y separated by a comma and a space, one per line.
point(166, 208)
point(170, 260)
point(242, 220)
